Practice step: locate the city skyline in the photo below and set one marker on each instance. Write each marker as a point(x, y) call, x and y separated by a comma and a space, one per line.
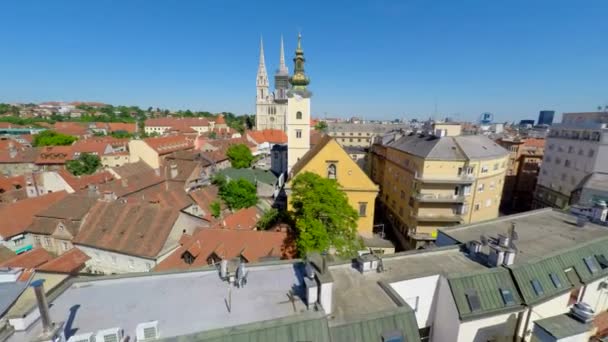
point(406, 60)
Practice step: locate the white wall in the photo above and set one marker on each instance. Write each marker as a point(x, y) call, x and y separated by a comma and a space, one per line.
point(419, 293)
point(52, 181)
point(596, 297)
point(446, 315)
point(499, 327)
point(553, 307)
point(110, 262)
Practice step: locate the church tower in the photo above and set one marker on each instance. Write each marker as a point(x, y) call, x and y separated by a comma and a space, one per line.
point(281, 79)
point(262, 79)
point(298, 111)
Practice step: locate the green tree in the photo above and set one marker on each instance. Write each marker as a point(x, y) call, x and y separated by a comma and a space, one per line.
point(216, 208)
point(269, 218)
point(321, 126)
point(240, 156)
point(239, 194)
point(323, 217)
point(52, 138)
point(212, 135)
point(86, 164)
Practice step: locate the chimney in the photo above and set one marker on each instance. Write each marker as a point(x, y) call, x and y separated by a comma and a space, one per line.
point(509, 258)
point(50, 330)
point(503, 240)
point(497, 255)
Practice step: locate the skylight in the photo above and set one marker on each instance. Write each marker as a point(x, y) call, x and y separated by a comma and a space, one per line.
point(473, 300)
point(507, 296)
point(591, 265)
point(555, 279)
point(538, 288)
point(601, 259)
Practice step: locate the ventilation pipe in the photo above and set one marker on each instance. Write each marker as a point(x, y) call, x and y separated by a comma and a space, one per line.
point(50, 330)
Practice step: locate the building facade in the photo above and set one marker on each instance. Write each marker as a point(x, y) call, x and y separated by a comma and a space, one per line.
point(429, 181)
point(545, 117)
point(271, 107)
point(359, 134)
point(575, 148)
point(525, 158)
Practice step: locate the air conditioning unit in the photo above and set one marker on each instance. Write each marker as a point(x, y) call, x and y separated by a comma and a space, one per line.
point(89, 337)
point(147, 331)
point(110, 335)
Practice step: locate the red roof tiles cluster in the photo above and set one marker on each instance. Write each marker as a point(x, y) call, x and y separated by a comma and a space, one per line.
point(54, 155)
point(203, 197)
point(138, 229)
point(32, 259)
point(11, 183)
point(183, 125)
point(76, 129)
point(168, 144)
point(17, 216)
point(71, 261)
point(82, 182)
point(273, 136)
point(244, 219)
point(252, 245)
point(534, 142)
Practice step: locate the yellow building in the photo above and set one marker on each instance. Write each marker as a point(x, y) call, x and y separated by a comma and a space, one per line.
point(328, 159)
point(435, 180)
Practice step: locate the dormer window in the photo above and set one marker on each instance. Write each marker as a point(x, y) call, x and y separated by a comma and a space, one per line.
point(188, 258)
point(331, 171)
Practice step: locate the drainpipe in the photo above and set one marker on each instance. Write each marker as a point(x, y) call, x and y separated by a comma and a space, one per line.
point(523, 334)
point(520, 317)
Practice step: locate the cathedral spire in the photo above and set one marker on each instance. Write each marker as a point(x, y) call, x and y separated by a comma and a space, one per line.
point(262, 74)
point(299, 81)
point(282, 67)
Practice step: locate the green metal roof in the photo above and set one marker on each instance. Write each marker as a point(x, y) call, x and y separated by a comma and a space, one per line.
point(309, 326)
point(563, 326)
point(487, 284)
point(525, 273)
point(575, 258)
point(372, 326)
point(252, 175)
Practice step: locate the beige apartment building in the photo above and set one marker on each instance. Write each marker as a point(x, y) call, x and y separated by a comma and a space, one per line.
point(359, 134)
point(429, 181)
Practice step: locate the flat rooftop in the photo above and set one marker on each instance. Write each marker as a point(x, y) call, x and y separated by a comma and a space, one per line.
point(356, 294)
point(183, 303)
point(539, 232)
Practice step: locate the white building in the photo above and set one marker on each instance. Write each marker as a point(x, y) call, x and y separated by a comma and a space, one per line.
point(574, 149)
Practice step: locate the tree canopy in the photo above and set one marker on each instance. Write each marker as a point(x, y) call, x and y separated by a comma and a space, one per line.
point(321, 126)
point(86, 164)
point(240, 156)
point(238, 194)
point(323, 217)
point(52, 138)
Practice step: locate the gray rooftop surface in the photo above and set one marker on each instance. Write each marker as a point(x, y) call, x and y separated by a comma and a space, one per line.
point(9, 292)
point(464, 147)
point(540, 232)
point(183, 303)
point(357, 294)
point(563, 326)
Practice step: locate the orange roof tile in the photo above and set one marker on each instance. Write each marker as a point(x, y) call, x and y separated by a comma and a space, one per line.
point(535, 142)
point(54, 155)
point(70, 128)
point(31, 259)
point(71, 261)
point(203, 197)
point(168, 144)
point(82, 182)
point(11, 183)
point(227, 244)
point(274, 136)
point(244, 219)
point(120, 126)
point(16, 217)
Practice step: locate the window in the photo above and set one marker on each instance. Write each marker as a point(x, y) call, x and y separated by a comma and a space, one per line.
point(298, 133)
point(131, 263)
point(591, 153)
point(66, 246)
point(507, 296)
point(484, 169)
point(488, 202)
point(188, 258)
point(114, 259)
point(47, 241)
point(548, 159)
point(580, 152)
point(495, 166)
point(473, 300)
point(148, 266)
point(402, 194)
point(538, 288)
point(476, 207)
point(425, 334)
point(467, 190)
point(331, 171)
point(601, 259)
point(567, 163)
point(492, 184)
point(570, 149)
point(362, 209)
point(555, 280)
point(480, 187)
point(299, 115)
point(591, 265)
point(393, 336)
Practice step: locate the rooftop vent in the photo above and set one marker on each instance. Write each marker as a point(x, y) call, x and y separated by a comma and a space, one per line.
point(147, 331)
point(88, 337)
point(110, 335)
point(582, 312)
point(368, 262)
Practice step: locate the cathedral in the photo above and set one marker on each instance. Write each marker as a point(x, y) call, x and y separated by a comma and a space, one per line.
point(271, 107)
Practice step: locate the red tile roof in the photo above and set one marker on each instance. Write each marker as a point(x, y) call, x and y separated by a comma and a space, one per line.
point(11, 183)
point(16, 217)
point(82, 182)
point(178, 124)
point(273, 136)
point(54, 155)
point(71, 261)
point(76, 129)
point(31, 259)
point(168, 144)
point(535, 142)
point(131, 184)
point(89, 146)
point(244, 219)
point(203, 197)
point(227, 244)
point(138, 229)
point(120, 126)
point(21, 155)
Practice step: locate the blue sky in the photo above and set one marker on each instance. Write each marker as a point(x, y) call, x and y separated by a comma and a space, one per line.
point(376, 59)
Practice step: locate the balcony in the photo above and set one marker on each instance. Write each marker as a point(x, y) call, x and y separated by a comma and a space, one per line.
point(465, 179)
point(428, 217)
point(436, 198)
